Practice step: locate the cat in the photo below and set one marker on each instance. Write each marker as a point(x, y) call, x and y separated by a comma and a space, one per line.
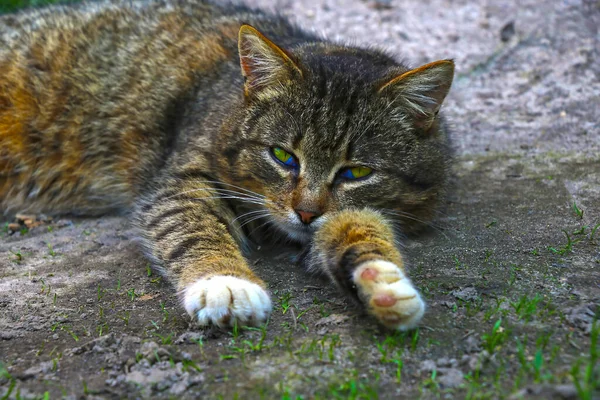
point(213, 124)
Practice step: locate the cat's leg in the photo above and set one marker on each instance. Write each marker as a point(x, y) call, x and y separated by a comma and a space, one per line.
point(356, 249)
point(187, 232)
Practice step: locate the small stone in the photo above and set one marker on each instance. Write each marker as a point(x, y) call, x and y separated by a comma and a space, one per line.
point(507, 31)
point(582, 316)
point(180, 387)
point(129, 340)
point(98, 349)
point(450, 304)
point(472, 344)
point(130, 362)
point(334, 319)
point(450, 377)
point(152, 352)
point(443, 362)
point(41, 368)
point(189, 338)
point(427, 366)
point(546, 391)
point(163, 385)
point(61, 223)
point(5, 335)
point(474, 363)
point(148, 347)
point(466, 294)
point(381, 4)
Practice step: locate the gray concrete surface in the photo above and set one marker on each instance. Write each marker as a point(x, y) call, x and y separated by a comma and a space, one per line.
point(80, 315)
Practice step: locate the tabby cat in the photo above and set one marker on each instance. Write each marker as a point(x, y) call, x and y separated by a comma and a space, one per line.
point(212, 123)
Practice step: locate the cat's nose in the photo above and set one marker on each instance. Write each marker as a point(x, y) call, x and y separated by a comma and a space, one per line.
point(307, 216)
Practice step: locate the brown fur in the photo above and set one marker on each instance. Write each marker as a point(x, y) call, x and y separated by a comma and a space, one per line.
point(171, 110)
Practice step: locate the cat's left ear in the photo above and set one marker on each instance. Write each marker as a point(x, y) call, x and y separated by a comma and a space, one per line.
point(263, 62)
point(420, 92)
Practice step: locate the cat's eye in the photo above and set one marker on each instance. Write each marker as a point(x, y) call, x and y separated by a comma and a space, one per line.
point(354, 173)
point(284, 157)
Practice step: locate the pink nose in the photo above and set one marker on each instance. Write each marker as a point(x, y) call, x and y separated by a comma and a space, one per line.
point(307, 216)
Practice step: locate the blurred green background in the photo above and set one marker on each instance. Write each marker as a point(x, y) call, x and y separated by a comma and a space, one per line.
point(13, 5)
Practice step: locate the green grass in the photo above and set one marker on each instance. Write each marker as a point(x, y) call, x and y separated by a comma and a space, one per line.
point(585, 371)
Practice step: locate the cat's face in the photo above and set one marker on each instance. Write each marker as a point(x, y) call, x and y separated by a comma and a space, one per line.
point(331, 132)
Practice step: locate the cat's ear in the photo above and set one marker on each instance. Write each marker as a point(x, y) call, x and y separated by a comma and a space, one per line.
point(420, 92)
point(263, 62)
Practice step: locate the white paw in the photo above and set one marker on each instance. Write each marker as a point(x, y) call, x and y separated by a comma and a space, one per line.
point(388, 294)
point(225, 300)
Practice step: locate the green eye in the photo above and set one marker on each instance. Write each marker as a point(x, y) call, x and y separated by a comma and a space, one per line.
point(284, 157)
point(355, 172)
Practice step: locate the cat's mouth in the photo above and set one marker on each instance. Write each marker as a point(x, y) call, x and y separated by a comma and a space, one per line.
point(295, 229)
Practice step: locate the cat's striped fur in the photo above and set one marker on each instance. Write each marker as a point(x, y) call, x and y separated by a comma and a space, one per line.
point(170, 109)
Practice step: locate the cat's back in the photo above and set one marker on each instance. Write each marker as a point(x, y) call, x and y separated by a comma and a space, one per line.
point(88, 91)
point(103, 18)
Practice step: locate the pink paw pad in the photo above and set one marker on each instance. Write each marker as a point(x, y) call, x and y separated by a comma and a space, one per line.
point(369, 274)
point(384, 300)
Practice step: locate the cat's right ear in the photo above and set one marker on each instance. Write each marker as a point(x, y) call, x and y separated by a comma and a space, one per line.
point(420, 92)
point(263, 63)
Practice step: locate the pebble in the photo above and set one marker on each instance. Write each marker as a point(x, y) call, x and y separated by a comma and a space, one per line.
point(427, 366)
point(450, 377)
point(547, 391)
point(472, 344)
point(6, 335)
point(507, 31)
point(190, 338)
point(466, 294)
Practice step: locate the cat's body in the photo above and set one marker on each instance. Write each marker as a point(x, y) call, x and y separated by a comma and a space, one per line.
point(141, 106)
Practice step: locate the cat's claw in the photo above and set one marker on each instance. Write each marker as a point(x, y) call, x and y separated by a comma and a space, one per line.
point(388, 294)
point(226, 300)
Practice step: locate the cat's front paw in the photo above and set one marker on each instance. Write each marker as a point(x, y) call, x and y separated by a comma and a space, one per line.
point(388, 294)
point(224, 300)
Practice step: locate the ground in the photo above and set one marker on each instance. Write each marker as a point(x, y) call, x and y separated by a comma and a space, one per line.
point(510, 269)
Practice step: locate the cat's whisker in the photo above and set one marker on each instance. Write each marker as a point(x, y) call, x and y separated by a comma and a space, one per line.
point(234, 186)
point(228, 197)
point(218, 195)
point(248, 214)
point(254, 219)
point(222, 192)
point(403, 214)
point(235, 192)
point(260, 226)
point(238, 194)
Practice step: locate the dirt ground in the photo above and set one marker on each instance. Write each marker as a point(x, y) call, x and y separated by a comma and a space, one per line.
point(510, 270)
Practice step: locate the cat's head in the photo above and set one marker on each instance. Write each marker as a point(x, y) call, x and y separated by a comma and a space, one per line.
point(327, 127)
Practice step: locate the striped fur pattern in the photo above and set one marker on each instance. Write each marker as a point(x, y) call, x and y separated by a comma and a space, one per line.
point(170, 110)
